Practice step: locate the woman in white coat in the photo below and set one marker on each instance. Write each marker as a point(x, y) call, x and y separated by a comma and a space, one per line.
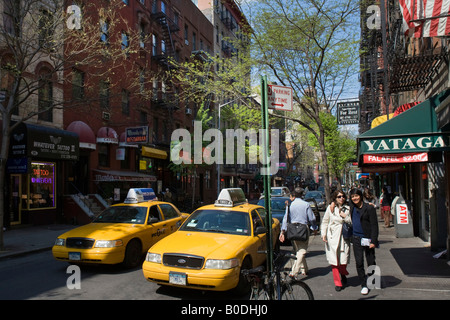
point(336, 247)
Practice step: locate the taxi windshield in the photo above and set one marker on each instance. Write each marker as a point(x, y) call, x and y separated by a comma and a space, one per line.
point(218, 221)
point(123, 214)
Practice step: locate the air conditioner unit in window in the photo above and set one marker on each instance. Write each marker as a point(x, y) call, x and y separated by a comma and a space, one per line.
point(188, 111)
point(106, 116)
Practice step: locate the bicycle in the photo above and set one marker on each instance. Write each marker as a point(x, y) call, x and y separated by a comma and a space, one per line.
point(277, 285)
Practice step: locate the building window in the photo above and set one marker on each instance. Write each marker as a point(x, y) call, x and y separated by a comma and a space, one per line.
point(125, 42)
point(186, 34)
point(104, 32)
point(154, 45)
point(77, 85)
point(45, 29)
point(103, 154)
point(45, 99)
point(194, 41)
point(104, 94)
point(125, 102)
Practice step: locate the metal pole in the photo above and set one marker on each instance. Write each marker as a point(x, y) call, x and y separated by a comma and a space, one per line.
point(266, 143)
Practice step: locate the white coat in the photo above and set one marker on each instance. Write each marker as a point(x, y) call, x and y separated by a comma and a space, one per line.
point(337, 249)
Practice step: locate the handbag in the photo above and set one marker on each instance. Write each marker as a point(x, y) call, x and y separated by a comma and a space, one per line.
point(347, 231)
point(296, 231)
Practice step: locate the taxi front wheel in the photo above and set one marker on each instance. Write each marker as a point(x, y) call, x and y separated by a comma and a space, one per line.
point(132, 254)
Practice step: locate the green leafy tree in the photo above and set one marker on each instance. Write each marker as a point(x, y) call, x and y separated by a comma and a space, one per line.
point(340, 148)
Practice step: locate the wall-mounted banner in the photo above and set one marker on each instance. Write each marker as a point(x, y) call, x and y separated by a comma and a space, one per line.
point(420, 143)
point(395, 158)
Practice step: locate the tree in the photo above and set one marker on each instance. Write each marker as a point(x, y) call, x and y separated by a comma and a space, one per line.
point(41, 42)
point(311, 46)
point(340, 148)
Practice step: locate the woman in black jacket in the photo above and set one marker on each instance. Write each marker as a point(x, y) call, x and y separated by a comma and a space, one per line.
point(365, 234)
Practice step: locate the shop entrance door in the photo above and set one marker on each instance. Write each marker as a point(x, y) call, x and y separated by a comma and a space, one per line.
point(15, 197)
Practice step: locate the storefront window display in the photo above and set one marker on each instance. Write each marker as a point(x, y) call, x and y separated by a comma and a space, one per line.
point(41, 186)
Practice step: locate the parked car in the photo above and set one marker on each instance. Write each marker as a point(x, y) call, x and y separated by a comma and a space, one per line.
point(212, 246)
point(122, 233)
point(315, 209)
point(319, 197)
point(278, 206)
point(278, 192)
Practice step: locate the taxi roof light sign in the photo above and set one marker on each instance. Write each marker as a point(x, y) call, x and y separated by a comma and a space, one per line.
point(136, 195)
point(230, 197)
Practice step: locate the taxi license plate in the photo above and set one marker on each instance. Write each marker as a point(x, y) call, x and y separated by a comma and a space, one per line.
point(177, 278)
point(75, 256)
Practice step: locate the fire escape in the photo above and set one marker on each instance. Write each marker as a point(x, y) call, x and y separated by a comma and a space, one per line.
point(163, 55)
point(395, 68)
point(372, 74)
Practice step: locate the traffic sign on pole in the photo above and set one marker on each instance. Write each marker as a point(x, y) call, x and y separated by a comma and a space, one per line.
point(279, 97)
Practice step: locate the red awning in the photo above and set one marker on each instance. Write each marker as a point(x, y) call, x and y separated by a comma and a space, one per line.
point(107, 135)
point(405, 107)
point(425, 18)
point(85, 134)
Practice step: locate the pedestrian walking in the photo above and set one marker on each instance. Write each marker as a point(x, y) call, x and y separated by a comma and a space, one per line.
point(337, 247)
point(300, 212)
point(168, 195)
point(385, 204)
point(365, 235)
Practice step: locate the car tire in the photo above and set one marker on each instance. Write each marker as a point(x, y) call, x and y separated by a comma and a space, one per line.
point(243, 285)
point(133, 254)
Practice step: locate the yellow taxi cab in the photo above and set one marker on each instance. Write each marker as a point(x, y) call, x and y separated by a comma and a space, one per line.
point(212, 246)
point(122, 233)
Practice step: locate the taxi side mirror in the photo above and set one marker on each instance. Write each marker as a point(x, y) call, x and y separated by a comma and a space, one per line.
point(152, 220)
point(260, 230)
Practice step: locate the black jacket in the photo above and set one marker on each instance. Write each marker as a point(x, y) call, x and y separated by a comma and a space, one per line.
point(369, 221)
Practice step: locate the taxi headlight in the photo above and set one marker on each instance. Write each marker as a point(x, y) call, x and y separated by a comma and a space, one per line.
point(221, 264)
point(153, 257)
point(60, 242)
point(108, 243)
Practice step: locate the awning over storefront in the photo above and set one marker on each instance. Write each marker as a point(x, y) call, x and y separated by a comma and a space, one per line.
point(121, 176)
point(85, 134)
point(107, 135)
point(29, 140)
point(405, 138)
point(154, 153)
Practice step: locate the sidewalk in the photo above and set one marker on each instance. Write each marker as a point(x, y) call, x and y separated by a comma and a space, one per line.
point(408, 271)
point(28, 239)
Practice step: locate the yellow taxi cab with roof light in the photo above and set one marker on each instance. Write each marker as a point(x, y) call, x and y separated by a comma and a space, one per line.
point(122, 233)
point(211, 247)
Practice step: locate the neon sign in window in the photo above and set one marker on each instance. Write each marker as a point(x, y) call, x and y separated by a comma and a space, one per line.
point(42, 185)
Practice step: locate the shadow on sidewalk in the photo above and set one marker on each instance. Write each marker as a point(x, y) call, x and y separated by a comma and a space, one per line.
point(419, 262)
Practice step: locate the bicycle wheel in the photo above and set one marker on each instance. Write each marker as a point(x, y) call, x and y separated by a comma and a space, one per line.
point(296, 290)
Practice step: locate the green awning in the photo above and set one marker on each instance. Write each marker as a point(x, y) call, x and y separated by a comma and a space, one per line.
point(415, 130)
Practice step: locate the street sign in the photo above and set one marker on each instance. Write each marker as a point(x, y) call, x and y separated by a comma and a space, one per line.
point(279, 97)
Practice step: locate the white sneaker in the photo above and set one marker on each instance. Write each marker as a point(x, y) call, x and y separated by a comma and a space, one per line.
point(364, 290)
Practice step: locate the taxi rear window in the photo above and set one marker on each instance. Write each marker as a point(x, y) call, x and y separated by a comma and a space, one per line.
point(123, 214)
point(218, 221)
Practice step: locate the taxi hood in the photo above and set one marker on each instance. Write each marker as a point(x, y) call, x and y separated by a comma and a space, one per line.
point(205, 244)
point(103, 231)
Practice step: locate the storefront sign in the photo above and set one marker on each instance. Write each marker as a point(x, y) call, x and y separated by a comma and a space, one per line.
point(396, 158)
point(401, 211)
point(29, 140)
point(405, 144)
point(136, 135)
